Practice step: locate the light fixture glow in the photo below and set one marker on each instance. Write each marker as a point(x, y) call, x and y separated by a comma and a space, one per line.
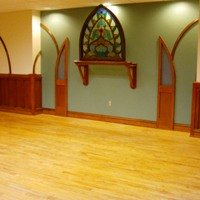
point(107, 4)
point(180, 7)
point(114, 9)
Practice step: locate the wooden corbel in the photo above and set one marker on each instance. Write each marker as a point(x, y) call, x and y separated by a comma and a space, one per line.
point(83, 67)
point(83, 70)
point(132, 74)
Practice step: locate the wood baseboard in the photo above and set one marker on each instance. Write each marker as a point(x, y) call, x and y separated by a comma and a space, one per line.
point(113, 119)
point(21, 110)
point(182, 127)
point(120, 120)
point(49, 111)
point(195, 133)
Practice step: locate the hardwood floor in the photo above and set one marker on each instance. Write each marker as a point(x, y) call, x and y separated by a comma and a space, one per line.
point(46, 157)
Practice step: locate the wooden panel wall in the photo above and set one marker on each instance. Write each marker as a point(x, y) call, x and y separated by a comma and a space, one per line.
point(21, 93)
point(195, 118)
point(166, 108)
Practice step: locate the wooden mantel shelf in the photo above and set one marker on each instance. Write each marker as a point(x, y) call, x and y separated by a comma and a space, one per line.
point(83, 67)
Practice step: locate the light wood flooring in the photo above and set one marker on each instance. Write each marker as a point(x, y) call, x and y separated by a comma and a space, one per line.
point(46, 157)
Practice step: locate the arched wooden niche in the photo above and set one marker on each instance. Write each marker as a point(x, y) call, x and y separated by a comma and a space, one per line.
point(102, 42)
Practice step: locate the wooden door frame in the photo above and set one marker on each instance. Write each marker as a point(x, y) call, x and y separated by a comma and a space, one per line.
point(62, 84)
point(168, 89)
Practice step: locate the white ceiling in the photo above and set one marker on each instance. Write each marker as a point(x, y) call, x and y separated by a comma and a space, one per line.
point(17, 5)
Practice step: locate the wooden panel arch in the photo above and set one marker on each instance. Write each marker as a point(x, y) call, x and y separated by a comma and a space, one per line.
point(183, 32)
point(35, 61)
point(61, 74)
point(61, 80)
point(166, 87)
point(7, 55)
point(51, 36)
point(166, 93)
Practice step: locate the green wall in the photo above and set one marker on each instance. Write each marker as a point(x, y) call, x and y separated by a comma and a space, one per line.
point(143, 23)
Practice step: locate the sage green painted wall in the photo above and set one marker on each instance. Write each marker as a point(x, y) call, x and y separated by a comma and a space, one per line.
point(143, 23)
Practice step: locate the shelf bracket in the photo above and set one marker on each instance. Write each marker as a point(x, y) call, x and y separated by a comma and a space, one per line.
point(83, 67)
point(83, 70)
point(132, 74)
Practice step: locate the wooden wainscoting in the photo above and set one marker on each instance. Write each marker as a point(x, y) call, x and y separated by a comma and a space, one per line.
point(195, 118)
point(21, 93)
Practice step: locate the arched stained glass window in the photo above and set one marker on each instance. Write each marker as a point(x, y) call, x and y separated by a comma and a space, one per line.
point(102, 37)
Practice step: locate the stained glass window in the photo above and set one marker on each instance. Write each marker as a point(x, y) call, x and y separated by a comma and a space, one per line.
point(102, 37)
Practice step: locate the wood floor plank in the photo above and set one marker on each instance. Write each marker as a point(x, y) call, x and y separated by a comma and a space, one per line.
point(47, 157)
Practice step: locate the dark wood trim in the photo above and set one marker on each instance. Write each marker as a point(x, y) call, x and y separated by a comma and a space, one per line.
point(119, 120)
point(182, 34)
point(113, 119)
point(51, 35)
point(195, 133)
point(84, 72)
point(49, 111)
point(182, 127)
point(61, 85)
point(35, 61)
point(7, 55)
point(195, 115)
point(20, 110)
point(166, 93)
point(132, 74)
point(21, 93)
point(83, 67)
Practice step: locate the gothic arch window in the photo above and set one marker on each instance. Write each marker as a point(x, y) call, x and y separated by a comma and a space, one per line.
point(102, 42)
point(102, 37)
